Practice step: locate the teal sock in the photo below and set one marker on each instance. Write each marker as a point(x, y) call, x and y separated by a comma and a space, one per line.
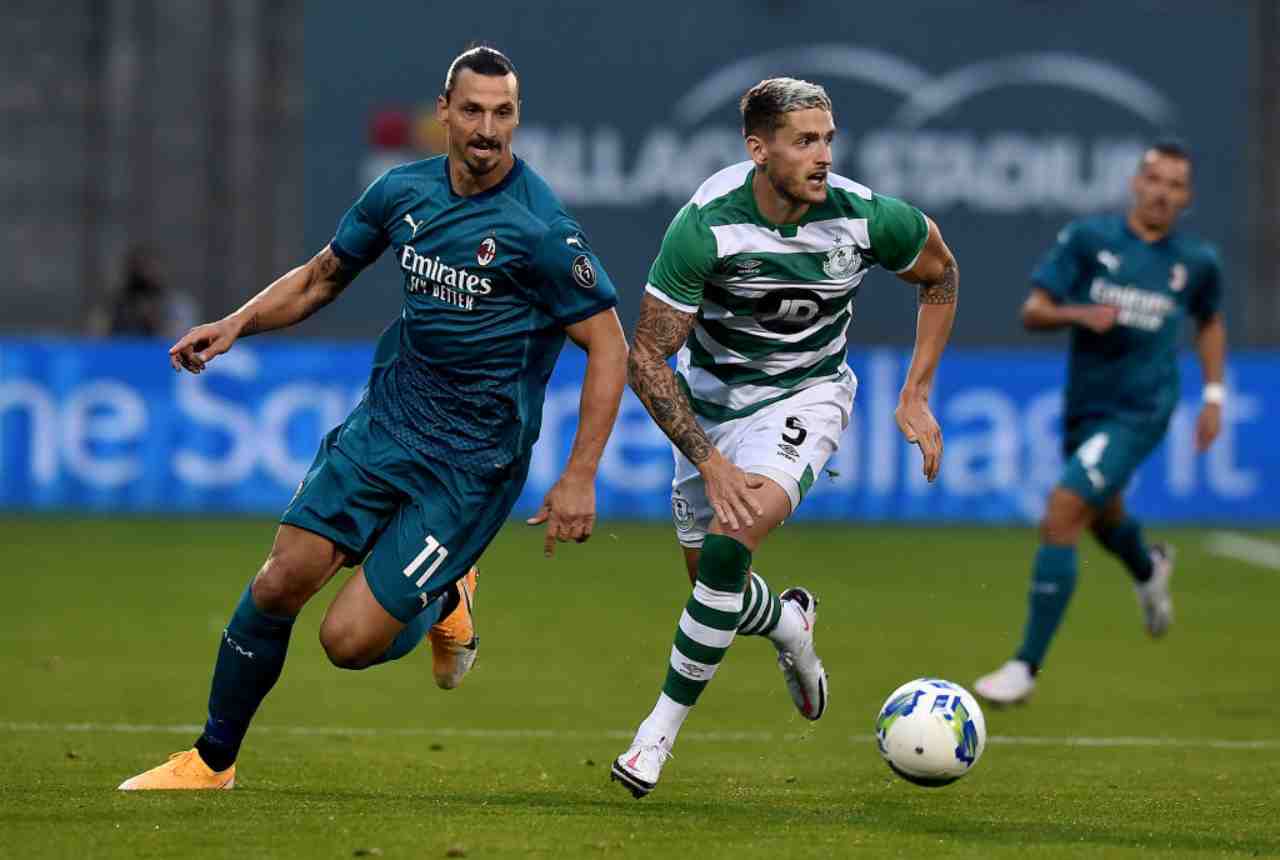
point(710, 618)
point(1125, 542)
point(416, 630)
point(250, 657)
point(1052, 583)
point(761, 608)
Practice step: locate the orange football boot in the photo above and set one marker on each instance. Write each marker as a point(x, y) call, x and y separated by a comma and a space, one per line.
point(183, 770)
point(453, 639)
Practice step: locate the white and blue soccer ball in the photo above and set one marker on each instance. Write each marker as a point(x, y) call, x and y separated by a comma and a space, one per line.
point(931, 732)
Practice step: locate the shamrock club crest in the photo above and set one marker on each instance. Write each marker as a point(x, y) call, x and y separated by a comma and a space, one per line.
point(842, 261)
point(487, 251)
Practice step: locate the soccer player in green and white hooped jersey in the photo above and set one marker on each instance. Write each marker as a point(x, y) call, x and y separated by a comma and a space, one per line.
point(754, 287)
point(1124, 284)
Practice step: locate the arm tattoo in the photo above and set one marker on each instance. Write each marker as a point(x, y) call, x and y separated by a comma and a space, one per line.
point(330, 269)
point(944, 291)
point(660, 332)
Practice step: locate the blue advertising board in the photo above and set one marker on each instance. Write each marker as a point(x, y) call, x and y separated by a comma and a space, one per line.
point(108, 427)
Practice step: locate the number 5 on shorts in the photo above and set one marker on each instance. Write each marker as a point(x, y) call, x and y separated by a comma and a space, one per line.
point(433, 546)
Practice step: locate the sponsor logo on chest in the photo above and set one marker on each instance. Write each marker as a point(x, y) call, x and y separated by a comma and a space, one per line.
point(457, 287)
point(1140, 308)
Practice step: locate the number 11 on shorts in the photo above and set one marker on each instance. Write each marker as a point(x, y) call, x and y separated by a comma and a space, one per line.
point(433, 546)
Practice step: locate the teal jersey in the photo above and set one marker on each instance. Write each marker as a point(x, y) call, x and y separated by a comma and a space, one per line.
point(491, 281)
point(1131, 371)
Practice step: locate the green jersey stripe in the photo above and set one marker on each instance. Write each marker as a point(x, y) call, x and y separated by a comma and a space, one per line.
point(711, 389)
point(813, 237)
point(750, 345)
point(744, 307)
point(796, 266)
point(738, 374)
point(704, 352)
point(720, 413)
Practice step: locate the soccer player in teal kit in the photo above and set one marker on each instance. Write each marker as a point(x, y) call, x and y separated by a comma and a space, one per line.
point(1124, 284)
point(416, 482)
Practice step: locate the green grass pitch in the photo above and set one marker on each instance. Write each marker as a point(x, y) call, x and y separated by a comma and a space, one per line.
point(108, 630)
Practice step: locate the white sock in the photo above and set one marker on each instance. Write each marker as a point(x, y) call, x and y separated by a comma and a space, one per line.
point(665, 720)
point(789, 632)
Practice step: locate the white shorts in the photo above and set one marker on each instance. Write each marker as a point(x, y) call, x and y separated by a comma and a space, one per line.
point(788, 442)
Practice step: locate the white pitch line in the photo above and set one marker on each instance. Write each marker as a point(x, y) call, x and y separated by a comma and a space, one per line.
point(1252, 550)
point(570, 734)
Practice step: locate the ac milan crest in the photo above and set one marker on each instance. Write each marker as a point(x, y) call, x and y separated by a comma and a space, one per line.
point(488, 250)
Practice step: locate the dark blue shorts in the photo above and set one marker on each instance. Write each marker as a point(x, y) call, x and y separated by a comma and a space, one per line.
point(1102, 454)
point(418, 523)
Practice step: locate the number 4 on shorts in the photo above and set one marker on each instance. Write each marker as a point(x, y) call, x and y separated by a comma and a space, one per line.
point(433, 546)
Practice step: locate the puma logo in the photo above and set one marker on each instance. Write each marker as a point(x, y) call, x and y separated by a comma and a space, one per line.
point(413, 225)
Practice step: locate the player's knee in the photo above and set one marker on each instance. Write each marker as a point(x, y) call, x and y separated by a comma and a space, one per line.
point(343, 647)
point(285, 583)
point(1065, 518)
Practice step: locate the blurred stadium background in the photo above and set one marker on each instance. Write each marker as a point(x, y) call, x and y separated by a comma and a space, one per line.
point(162, 161)
point(205, 148)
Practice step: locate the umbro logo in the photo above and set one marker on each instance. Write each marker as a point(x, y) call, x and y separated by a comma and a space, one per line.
point(575, 242)
point(413, 225)
point(746, 267)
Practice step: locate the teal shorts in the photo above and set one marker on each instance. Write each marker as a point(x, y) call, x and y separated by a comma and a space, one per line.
point(419, 524)
point(1102, 455)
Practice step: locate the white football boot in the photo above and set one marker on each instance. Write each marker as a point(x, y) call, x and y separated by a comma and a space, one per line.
point(1153, 595)
point(640, 766)
point(1010, 684)
point(804, 673)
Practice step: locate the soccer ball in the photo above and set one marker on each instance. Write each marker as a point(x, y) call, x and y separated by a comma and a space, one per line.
point(931, 732)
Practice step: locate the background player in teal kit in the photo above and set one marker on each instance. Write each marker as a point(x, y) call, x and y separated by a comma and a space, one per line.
point(419, 478)
point(1124, 284)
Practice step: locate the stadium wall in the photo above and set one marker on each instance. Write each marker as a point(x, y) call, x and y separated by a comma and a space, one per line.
point(108, 427)
point(229, 138)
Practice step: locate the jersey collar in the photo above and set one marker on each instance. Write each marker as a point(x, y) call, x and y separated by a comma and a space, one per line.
point(517, 167)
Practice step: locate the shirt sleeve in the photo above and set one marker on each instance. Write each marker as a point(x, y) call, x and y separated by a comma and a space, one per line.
point(897, 231)
point(1060, 269)
point(1206, 301)
point(361, 236)
point(571, 284)
point(684, 261)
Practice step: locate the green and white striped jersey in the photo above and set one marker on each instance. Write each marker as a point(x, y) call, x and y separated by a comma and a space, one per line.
point(773, 301)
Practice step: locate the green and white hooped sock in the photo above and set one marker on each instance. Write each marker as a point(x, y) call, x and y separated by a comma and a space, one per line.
point(761, 608)
point(705, 632)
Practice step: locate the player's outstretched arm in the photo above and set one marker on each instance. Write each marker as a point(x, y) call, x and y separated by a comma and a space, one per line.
point(660, 332)
point(569, 509)
point(291, 298)
point(938, 276)
point(1211, 345)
